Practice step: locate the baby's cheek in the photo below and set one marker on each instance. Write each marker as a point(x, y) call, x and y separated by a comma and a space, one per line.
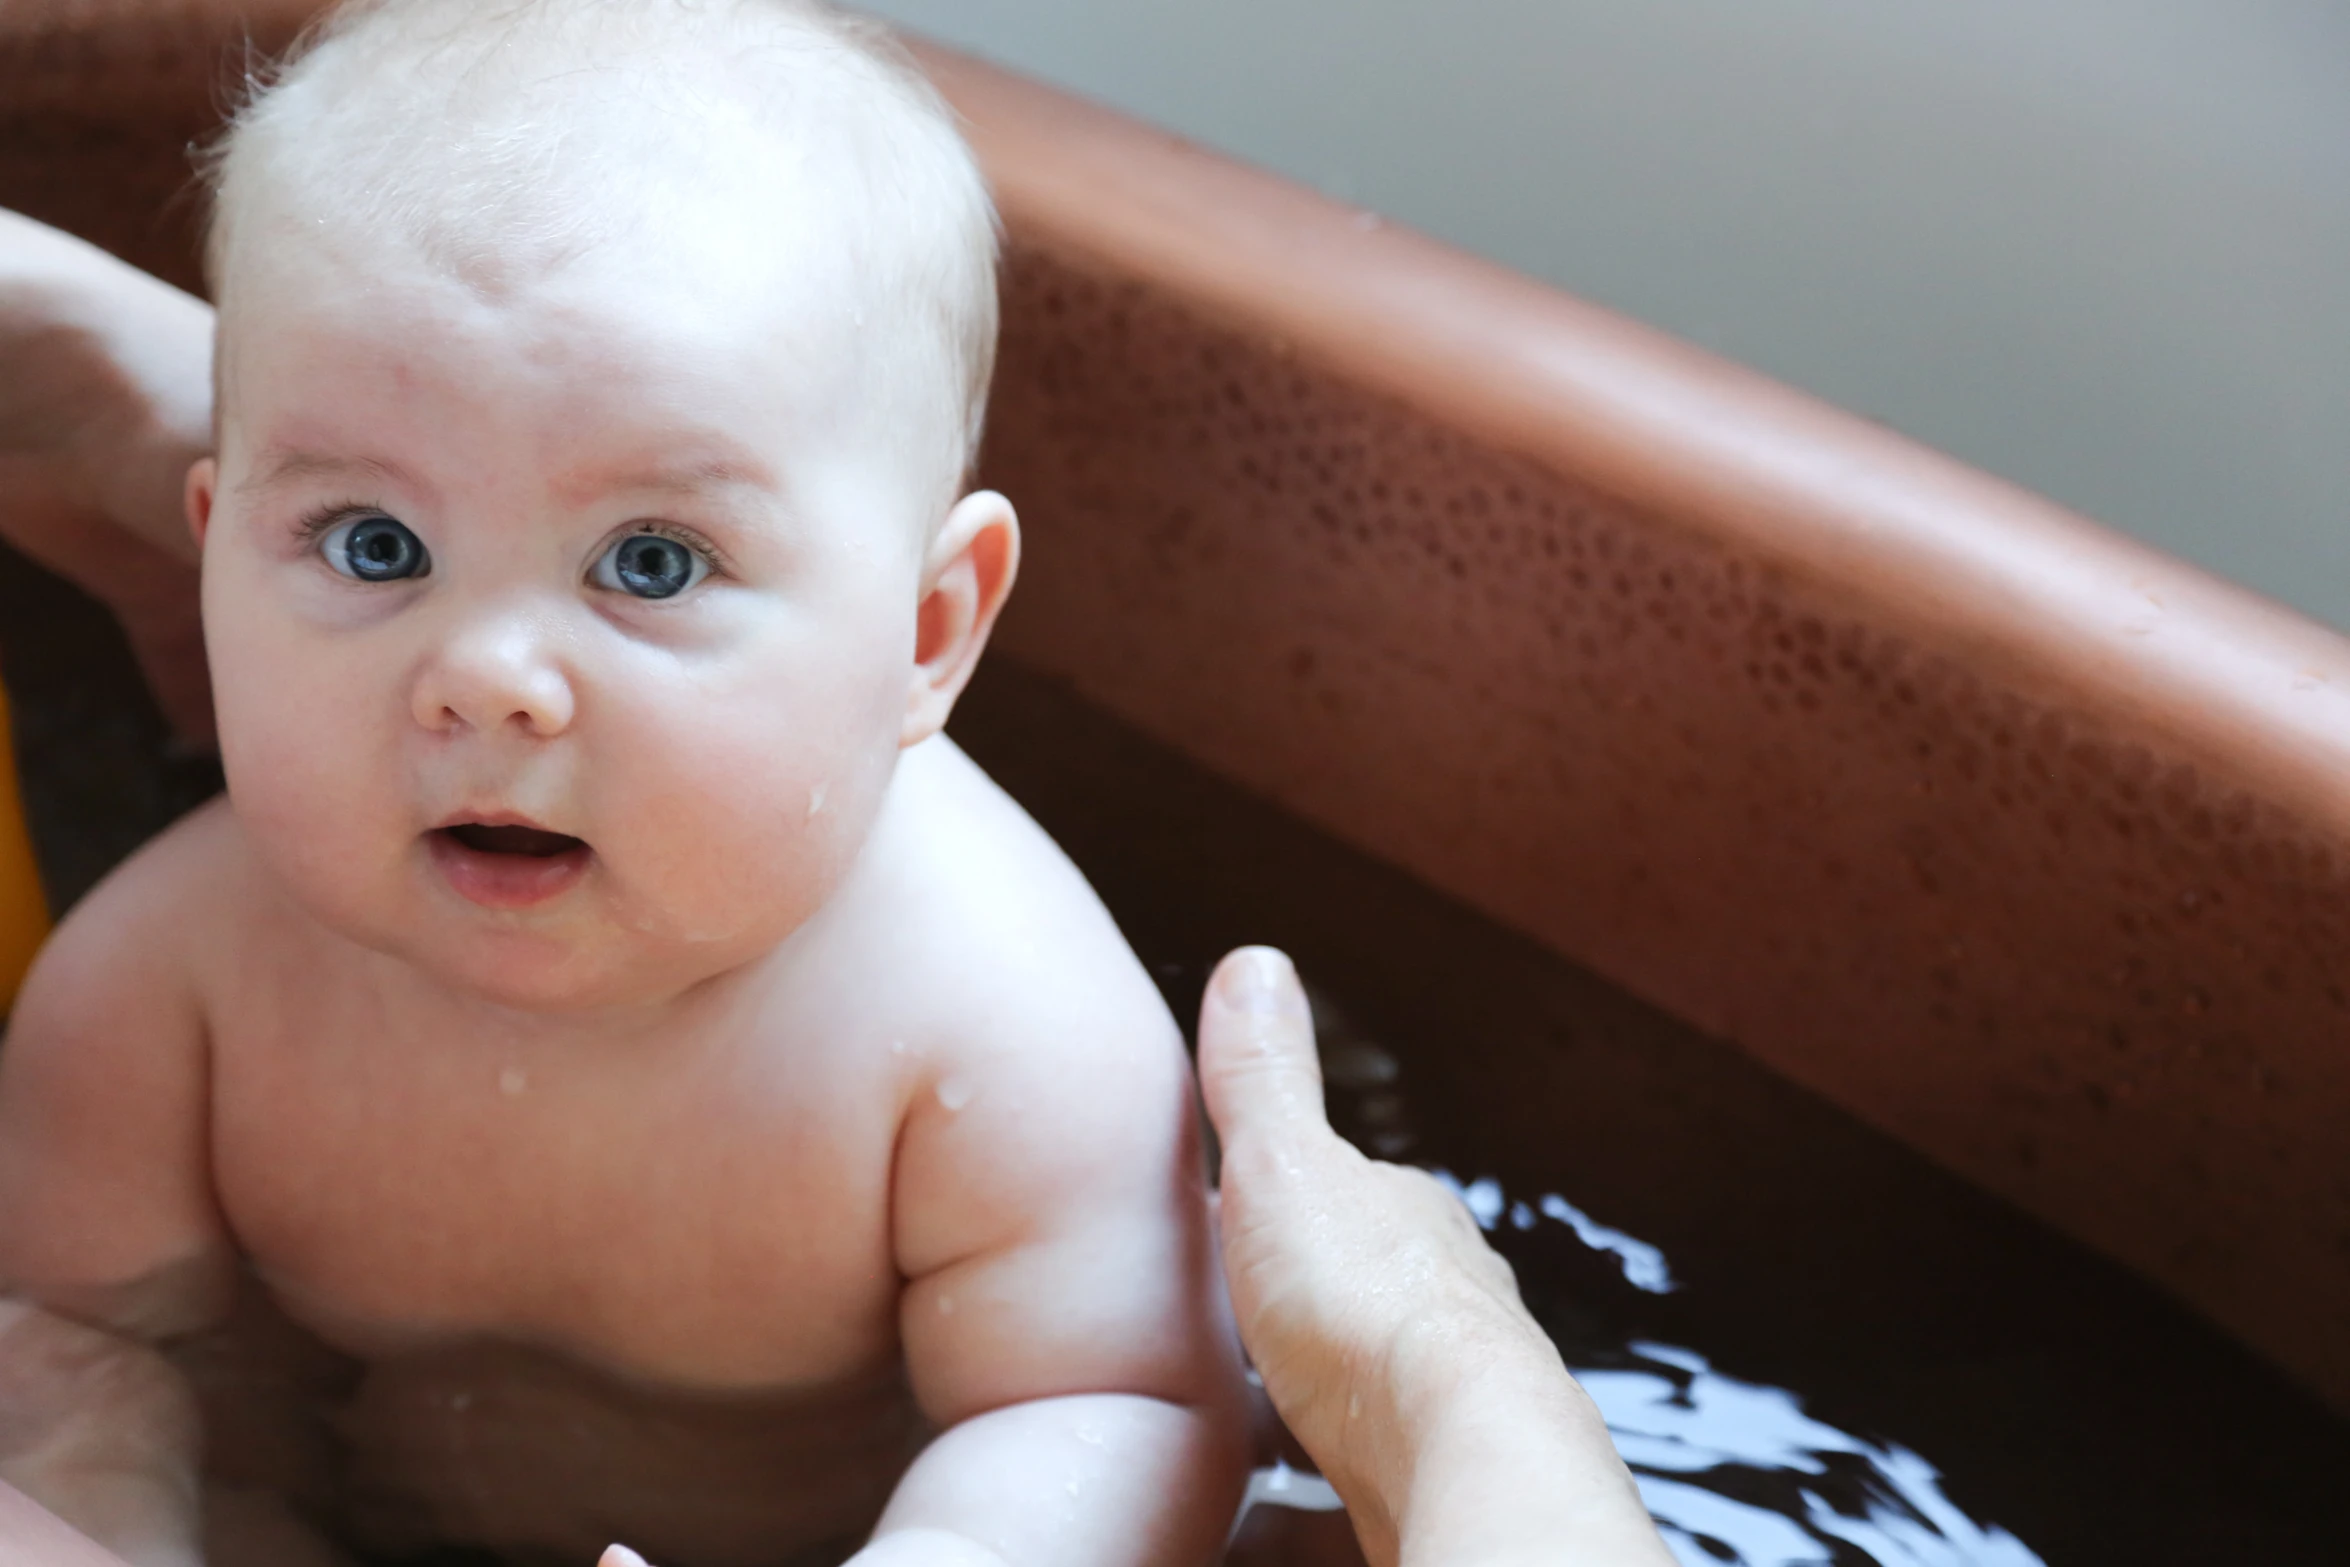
point(293, 728)
point(749, 813)
point(318, 796)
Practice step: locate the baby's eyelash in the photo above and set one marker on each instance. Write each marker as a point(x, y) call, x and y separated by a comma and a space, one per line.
point(692, 538)
point(317, 524)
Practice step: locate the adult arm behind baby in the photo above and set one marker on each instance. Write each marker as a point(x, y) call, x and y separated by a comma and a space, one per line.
point(109, 1239)
point(105, 399)
point(1063, 1317)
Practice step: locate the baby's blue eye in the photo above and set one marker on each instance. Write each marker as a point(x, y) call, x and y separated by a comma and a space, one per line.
point(650, 566)
point(375, 549)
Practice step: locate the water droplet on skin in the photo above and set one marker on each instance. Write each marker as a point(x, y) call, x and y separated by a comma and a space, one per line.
point(816, 800)
point(954, 1093)
point(513, 1081)
point(1354, 1405)
point(897, 1047)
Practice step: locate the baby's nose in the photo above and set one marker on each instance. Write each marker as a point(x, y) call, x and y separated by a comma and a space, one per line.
point(495, 672)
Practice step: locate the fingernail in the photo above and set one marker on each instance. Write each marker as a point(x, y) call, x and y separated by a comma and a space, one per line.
point(1257, 979)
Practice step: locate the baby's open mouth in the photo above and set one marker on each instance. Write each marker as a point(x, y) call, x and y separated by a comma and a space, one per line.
point(507, 865)
point(535, 842)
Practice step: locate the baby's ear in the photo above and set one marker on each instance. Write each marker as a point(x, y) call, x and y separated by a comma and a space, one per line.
point(203, 476)
point(966, 575)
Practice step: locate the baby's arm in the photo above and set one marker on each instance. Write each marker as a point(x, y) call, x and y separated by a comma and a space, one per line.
point(1063, 1317)
point(109, 1239)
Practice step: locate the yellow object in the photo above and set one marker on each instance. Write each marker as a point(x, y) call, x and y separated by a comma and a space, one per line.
point(24, 908)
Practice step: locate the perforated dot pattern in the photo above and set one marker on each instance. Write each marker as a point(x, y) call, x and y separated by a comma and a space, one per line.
point(2032, 941)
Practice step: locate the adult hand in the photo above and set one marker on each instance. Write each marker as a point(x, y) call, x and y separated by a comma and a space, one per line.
point(1389, 1335)
point(105, 400)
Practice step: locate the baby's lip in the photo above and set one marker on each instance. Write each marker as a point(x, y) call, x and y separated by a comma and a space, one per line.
point(504, 861)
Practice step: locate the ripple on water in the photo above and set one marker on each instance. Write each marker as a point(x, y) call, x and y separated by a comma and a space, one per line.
point(1733, 1472)
point(1736, 1472)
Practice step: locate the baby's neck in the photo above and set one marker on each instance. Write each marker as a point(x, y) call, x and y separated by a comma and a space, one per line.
point(704, 1003)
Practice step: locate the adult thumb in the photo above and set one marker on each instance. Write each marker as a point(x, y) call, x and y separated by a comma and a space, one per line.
point(1257, 1067)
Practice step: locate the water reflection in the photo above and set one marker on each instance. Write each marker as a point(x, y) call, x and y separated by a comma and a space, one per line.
point(1644, 1266)
point(1734, 1472)
point(1737, 1472)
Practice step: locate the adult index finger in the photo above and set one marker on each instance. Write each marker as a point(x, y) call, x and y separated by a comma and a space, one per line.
point(1257, 1067)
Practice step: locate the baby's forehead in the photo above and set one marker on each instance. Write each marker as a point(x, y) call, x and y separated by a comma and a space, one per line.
point(628, 354)
point(609, 257)
point(667, 328)
point(764, 163)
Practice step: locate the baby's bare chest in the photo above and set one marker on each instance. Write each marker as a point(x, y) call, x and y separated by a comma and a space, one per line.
point(693, 1212)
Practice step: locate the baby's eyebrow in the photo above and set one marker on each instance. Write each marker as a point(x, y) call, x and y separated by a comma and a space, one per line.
point(689, 477)
point(284, 465)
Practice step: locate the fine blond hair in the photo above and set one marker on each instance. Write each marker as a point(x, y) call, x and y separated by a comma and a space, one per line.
point(482, 131)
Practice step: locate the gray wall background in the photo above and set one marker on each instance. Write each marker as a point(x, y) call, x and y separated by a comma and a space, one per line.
point(2101, 247)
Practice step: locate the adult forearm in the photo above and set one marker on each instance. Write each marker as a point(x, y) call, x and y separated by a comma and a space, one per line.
point(1515, 1467)
point(105, 401)
point(107, 395)
point(1092, 1480)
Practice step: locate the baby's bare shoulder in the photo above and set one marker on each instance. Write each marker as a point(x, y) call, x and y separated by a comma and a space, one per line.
point(1002, 944)
point(157, 913)
point(1051, 1072)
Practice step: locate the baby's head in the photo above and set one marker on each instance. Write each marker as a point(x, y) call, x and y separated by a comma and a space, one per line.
point(597, 383)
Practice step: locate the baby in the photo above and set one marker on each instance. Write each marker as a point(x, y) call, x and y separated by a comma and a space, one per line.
point(611, 1070)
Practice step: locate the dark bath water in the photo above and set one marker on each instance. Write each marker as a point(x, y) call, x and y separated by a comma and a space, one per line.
point(1860, 1359)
